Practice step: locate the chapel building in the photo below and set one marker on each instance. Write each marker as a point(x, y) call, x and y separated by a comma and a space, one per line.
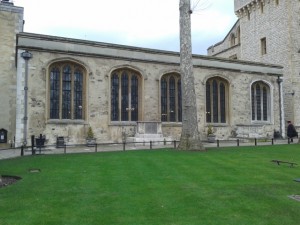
point(59, 86)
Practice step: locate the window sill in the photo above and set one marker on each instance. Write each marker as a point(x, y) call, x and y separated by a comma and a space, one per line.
point(260, 123)
point(66, 121)
point(217, 124)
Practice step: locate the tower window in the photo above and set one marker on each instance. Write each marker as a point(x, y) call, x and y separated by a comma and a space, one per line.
point(261, 7)
point(248, 15)
point(263, 44)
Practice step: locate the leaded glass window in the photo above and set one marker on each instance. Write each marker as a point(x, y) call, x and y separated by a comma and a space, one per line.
point(114, 97)
point(265, 104)
point(222, 103)
point(171, 100)
point(66, 91)
point(258, 102)
point(78, 93)
point(164, 99)
point(125, 98)
point(208, 103)
point(54, 93)
point(260, 95)
point(179, 100)
point(253, 102)
point(216, 100)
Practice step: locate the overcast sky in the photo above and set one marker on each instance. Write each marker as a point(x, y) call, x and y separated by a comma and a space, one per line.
point(142, 23)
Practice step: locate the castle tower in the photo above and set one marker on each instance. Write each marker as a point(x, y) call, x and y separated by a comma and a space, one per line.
point(11, 23)
point(270, 33)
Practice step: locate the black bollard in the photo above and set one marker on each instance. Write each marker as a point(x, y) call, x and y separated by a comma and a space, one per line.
point(32, 145)
point(22, 150)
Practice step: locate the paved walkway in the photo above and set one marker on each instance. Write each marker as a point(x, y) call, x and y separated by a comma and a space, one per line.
point(12, 153)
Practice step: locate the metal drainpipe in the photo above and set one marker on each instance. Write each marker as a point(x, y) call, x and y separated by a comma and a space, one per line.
point(279, 81)
point(26, 56)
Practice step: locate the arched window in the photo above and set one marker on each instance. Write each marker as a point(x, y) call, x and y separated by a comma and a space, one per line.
point(125, 91)
point(216, 100)
point(171, 102)
point(260, 101)
point(66, 81)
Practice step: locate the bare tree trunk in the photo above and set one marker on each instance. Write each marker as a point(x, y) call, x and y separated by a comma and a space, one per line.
point(190, 138)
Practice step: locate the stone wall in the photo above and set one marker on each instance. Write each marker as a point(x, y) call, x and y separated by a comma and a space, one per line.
point(279, 25)
point(100, 60)
point(11, 18)
point(278, 22)
point(226, 48)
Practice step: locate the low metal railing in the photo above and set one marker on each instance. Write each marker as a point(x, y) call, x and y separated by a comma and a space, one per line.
point(124, 146)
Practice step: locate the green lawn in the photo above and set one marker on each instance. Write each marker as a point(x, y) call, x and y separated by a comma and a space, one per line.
point(225, 186)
